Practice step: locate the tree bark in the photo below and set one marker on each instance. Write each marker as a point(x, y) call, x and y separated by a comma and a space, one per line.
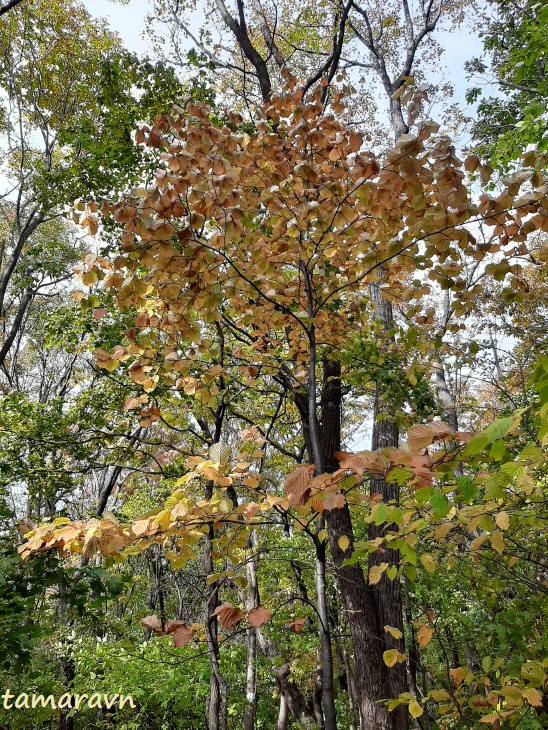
point(210, 621)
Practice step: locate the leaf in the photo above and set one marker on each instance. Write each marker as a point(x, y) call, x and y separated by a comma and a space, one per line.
point(390, 657)
point(415, 710)
point(258, 616)
point(466, 488)
point(352, 462)
point(334, 501)
point(503, 520)
point(181, 636)
point(533, 696)
point(375, 573)
point(229, 617)
point(497, 541)
point(498, 429)
point(422, 436)
point(298, 481)
point(396, 633)
point(344, 542)
point(458, 675)
point(533, 673)
point(424, 635)
point(439, 695)
point(439, 502)
point(429, 562)
point(153, 623)
point(297, 625)
point(490, 719)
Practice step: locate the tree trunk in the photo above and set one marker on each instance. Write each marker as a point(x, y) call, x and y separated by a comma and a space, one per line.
point(210, 621)
point(372, 678)
point(283, 715)
point(251, 679)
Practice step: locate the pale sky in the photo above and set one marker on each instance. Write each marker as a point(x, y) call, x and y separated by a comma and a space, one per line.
point(129, 20)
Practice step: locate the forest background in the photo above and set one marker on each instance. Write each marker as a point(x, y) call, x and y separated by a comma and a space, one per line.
point(273, 364)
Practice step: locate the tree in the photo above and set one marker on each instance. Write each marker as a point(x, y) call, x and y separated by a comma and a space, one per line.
point(330, 218)
point(515, 40)
point(61, 72)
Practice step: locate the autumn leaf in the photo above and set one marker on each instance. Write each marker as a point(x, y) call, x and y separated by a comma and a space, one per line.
point(297, 625)
point(424, 635)
point(415, 710)
point(458, 675)
point(420, 437)
point(298, 484)
point(396, 633)
point(181, 636)
point(392, 657)
point(258, 616)
point(497, 541)
point(153, 623)
point(533, 696)
point(229, 617)
point(344, 542)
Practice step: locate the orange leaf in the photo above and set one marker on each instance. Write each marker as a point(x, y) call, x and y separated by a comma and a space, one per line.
point(424, 635)
point(422, 436)
point(258, 616)
point(153, 623)
point(458, 675)
point(229, 617)
point(181, 636)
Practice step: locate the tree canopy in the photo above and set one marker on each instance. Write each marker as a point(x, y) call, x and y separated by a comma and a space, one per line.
point(274, 407)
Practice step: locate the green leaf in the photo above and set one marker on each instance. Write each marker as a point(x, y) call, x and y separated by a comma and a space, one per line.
point(467, 489)
point(440, 503)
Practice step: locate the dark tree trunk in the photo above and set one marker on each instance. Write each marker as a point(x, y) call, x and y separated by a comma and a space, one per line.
point(372, 677)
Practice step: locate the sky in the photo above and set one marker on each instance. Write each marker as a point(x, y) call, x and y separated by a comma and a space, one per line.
point(129, 20)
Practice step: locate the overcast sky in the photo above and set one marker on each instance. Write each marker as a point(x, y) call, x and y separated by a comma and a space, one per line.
point(130, 22)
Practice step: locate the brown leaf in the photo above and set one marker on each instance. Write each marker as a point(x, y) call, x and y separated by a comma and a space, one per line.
point(153, 623)
point(351, 462)
point(422, 436)
point(258, 616)
point(299, 479)
point(297, 625)
point(334, 501)
point(424, 636)
point(181, 636)
point(229, 617)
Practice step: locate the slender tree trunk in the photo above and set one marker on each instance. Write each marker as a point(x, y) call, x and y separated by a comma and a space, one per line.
point(251, 680)
point(372, 676)
point(283, 714)
point(387, 593)
point(252, 601)
point(319, 456)
point(210, 621)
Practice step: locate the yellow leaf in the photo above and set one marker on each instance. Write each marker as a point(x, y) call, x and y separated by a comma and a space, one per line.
point(438, 695)
point(502, 520)
point(396, 633)
point(390, 657)
point(344, 542)
point(497, 541)
point(375, 573)
point(429, 562)
point(415, 710)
